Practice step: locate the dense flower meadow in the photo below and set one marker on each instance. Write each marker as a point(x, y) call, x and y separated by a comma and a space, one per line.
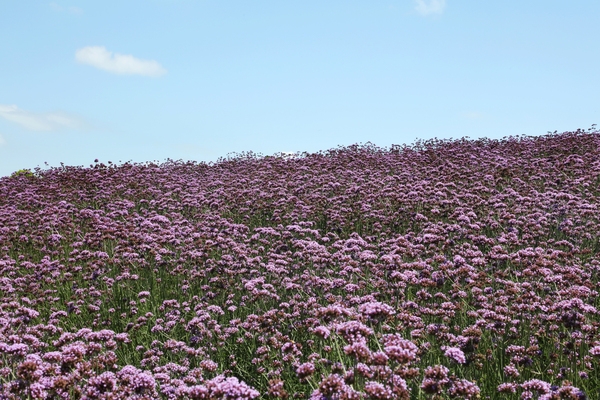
point(455, 269)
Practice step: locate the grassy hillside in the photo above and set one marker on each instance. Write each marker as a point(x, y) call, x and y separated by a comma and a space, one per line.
point(447, 269)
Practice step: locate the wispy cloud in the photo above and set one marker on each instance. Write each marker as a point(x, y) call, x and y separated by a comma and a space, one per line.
point(72, 10)
point(124, 64)
point(47, 122)
point(424, 7)
point(2, 141)
point(473, 115)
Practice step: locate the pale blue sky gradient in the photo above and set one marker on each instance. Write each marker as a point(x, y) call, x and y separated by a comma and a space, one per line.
point(196, 80)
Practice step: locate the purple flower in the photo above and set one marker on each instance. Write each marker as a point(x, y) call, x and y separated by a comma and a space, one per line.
point(231, 389)
point(98, 385)
point(322, 331)
point(305, 370)
point(376, 310)
point(378, 391)
point(595, 351)
point(464, 388)
point(455, 354)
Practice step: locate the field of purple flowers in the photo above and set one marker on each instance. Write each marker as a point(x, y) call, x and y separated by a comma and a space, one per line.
point(457, 269)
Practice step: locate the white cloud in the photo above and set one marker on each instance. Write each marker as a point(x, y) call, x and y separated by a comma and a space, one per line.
point(39, 121)
point(2, 141)
point(424, 7)
point(474, 115)
point(125, 64)
point(72, 10)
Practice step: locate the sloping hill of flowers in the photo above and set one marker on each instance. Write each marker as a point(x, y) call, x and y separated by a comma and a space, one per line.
point(457, 269)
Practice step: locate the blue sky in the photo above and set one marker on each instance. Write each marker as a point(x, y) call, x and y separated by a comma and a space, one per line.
point(195, 80)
